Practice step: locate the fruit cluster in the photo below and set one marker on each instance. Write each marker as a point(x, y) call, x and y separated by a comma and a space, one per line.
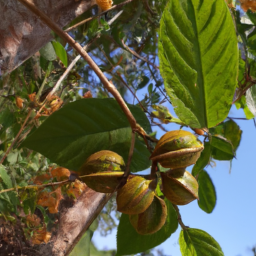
point(104, 170)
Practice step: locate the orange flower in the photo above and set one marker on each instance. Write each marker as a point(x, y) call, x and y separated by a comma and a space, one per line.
point(32, 97)
point(41, 236)
point(19, 102)
point(76, 188)
point(104, 4)
point(47, 199)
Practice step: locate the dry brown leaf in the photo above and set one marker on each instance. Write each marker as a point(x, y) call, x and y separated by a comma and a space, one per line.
point(60, 173)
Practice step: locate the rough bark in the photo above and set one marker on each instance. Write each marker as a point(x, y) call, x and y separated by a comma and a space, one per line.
point(74, 222)
point(22, 34)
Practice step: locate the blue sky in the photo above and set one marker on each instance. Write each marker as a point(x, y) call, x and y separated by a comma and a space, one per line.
point(232, 223)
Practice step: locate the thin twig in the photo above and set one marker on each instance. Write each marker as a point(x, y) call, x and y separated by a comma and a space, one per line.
point(137, 55)
point(36, 186)
point(134, 95)
point(160, 126)
point(16, 138)
point(65, 36)
point(244, 91)
point(96, 16)
point(183, 226)
point(67, 71)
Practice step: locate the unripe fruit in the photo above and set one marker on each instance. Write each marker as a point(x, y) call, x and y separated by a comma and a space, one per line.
point(103, 182)
point(103, 171)
point(152, 219)
point(136, 195)
point(102, 161)
point(179, 186)
point(177, 149)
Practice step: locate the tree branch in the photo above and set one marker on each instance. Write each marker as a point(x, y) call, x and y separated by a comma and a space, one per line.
point(96, 16)
point(65, 36)
point(35, 186)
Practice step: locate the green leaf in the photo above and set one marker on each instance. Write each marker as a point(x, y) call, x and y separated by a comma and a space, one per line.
point(199, 60)
point(61, 52)
point(248, 114)
point(222, 143)
point(222, 148)
point(252, 16)
point(144, 82)
point(70, 135)
point(140, 243)
point(203, 160)
point(251, 99)
point(206, 192)
point(48, 52)
point(231, 132)
point(196, 242)
point(5, 177)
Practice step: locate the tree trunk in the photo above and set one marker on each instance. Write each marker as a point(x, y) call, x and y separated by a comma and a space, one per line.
point(22, 34)
point(74, 222)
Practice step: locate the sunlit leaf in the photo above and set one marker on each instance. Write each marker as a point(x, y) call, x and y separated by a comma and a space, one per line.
point(206, 192)
point(251, 99)
point(61, 52)
point(199, 60)
point(196, 242)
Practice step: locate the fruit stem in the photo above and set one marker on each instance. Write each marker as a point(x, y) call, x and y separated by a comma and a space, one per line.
point(183, 226)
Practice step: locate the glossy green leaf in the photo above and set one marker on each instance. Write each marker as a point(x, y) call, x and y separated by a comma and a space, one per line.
point(196, 242)
point(206, 192)
point(203, 160)
point(251, 99)
point(222, 143)
point(140, 243)
point(70, 135)
point(222, 148)
point(199, 60)
point(61, 52)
